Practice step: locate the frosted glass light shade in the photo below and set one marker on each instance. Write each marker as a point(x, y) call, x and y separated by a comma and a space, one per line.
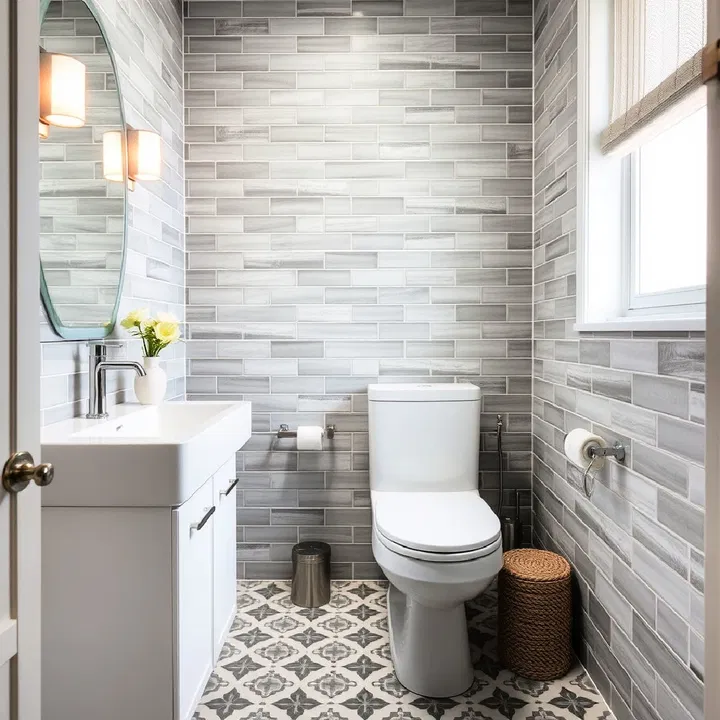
point(113, 156)
point(62, 90)
point(43, 130)
point(144, 155)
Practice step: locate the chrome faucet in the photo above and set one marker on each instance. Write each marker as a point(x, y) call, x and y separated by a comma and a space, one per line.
point(99, 365)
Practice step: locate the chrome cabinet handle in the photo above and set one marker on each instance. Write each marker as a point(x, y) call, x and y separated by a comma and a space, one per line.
point(231, 487)
point(206, 517)
point(20, 469)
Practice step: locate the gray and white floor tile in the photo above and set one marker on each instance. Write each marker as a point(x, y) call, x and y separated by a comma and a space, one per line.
point(282, 662)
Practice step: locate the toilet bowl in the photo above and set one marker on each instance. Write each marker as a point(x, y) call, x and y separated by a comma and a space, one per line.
point(429, 587)
point(437, 541)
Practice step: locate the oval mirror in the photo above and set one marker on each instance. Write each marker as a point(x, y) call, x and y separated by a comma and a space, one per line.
point(83, 216)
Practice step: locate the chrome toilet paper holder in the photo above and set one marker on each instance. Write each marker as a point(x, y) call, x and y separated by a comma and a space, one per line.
point(286, 432)
point(617, 451)
point(599, 453)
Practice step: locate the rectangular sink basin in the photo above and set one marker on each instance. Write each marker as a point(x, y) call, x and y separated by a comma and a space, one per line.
point(142, 456)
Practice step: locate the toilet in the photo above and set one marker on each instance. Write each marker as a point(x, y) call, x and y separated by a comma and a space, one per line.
point(437, 541)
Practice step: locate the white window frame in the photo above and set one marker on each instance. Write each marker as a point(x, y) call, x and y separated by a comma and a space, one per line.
point(606, 220)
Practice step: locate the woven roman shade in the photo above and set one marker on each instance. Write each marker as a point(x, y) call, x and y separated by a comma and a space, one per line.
point(657, 68)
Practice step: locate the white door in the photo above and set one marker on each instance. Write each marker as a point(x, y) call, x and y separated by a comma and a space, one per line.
point(19, 360)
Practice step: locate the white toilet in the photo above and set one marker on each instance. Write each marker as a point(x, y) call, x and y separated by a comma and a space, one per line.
point(435, 538)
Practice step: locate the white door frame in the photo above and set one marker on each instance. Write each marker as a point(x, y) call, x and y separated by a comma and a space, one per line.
point(712, 451)
point(20, 25)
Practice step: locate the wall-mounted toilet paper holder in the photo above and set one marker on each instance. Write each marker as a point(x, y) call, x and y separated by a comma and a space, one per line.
point(593, 451)
point(600, 452)
point(286, 432)
point(617, 451)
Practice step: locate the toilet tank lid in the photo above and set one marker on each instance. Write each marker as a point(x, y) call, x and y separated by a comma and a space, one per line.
point(423, 392)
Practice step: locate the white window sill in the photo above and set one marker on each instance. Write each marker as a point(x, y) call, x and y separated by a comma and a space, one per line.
point(688, 323)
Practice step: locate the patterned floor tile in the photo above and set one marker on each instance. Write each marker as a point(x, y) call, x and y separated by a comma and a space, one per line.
point(282, 662)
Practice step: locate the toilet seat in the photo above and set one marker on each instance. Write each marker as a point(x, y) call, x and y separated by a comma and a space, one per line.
point(436, 526)
point(439, 557)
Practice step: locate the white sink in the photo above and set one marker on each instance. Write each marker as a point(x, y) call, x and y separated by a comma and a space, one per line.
point(142, 456)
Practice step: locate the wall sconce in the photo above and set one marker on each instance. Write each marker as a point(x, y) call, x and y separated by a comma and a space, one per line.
point(113, 156)
point(144, 157)
point(43, 130)
point(62, 90)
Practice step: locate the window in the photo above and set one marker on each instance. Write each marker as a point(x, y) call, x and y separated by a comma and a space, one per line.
point(642, 165)
point(668, 226)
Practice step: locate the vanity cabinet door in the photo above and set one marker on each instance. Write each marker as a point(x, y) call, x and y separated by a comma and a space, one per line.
point(193, 573)
point(225, 542)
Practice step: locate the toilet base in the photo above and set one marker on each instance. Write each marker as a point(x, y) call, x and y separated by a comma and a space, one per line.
point(430, 646)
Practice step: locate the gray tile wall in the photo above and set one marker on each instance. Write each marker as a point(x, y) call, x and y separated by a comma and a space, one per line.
point(146, 38)
point(359, 201)
point(637, 546)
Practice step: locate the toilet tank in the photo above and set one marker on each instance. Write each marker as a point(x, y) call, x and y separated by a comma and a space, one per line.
point(424, 437)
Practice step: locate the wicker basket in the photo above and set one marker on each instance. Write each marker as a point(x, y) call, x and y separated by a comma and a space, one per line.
point(535, 614)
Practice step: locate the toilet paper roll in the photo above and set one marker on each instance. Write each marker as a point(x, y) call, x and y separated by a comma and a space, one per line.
point(309, 437)
point(577, 447)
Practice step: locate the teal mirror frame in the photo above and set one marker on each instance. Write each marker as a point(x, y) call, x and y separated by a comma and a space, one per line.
point(91, 332)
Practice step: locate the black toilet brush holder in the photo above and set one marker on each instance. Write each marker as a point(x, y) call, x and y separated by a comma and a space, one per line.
point(512, 528)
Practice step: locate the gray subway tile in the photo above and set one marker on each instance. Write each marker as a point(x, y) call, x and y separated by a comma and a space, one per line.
point(370, 8)
point(664, 545)
point(667, 470)
point(682, 359)
point(682, 438)
point(268, 8)
point(323, 8)
point(682, 518)
point(612, 384)
point(662, 394)
point(297, 517)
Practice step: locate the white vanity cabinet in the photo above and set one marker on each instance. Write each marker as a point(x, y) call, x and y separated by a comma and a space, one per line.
point(137, 603)
point(139, 559)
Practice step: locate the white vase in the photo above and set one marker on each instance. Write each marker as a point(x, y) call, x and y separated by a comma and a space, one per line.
point(150, 388)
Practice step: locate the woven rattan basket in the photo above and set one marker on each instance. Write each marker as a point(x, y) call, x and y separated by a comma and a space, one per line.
point(535, 614)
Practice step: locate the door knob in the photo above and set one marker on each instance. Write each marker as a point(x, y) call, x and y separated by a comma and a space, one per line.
point(20, 469)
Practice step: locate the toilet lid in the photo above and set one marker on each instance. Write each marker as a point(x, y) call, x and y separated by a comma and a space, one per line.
point(441, 522)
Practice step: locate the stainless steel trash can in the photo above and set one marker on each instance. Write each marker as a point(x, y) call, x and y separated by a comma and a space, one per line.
point(311, 574)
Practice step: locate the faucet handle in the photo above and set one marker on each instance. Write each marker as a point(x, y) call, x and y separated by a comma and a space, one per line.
point(98, 350)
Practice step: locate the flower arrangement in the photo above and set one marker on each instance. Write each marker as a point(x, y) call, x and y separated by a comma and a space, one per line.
point(156, 333)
